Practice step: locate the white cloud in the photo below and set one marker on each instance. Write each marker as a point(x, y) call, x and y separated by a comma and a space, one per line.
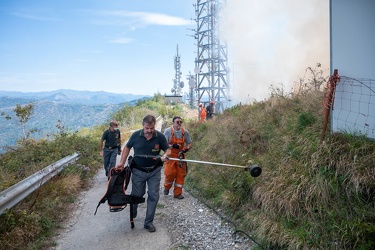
point(161, 19)
point(147, 18)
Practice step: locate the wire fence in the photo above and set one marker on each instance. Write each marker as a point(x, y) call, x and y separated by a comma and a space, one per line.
point(353, 108)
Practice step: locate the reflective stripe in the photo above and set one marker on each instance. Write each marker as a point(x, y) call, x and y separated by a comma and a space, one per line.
point(178, 185)
point(169, 182)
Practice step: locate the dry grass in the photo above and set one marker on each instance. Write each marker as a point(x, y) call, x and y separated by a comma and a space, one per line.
point(310, 195)
point(30, 224)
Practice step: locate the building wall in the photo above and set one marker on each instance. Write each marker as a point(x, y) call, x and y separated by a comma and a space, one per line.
point(352, 52)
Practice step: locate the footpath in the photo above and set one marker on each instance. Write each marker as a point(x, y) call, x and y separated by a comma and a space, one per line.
point(180, 224)
point(108, 230)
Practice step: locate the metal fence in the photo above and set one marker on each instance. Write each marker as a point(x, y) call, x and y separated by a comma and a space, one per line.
point(354, 107)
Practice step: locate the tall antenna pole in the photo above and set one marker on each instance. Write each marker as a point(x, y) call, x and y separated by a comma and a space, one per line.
point(211, 62)
point(177, 83)
point(191, 81)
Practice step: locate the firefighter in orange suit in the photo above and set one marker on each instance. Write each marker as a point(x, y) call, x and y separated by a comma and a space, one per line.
point(175, 171)
point(202, 113)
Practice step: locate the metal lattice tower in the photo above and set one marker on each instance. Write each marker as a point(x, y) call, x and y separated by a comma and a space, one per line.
point(191, 81)
point(211, 62)
point(177, 83)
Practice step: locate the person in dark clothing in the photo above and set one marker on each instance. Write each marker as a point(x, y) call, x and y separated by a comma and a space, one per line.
point(210, 110)
point(146, 142)
point(112, 138)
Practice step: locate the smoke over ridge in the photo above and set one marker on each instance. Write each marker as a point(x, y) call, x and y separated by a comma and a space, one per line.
point(272, 42)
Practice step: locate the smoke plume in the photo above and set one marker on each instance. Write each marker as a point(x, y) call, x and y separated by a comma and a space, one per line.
point(272, 42)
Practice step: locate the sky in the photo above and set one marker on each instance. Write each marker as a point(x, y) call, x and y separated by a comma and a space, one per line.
point(124, 46)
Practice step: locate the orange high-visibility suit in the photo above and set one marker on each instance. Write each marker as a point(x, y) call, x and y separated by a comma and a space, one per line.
point(175, 171)
point(202, 114)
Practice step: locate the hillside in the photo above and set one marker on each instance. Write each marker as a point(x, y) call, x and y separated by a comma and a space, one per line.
point(74, 96)
point(311, 194)
point(70, 110)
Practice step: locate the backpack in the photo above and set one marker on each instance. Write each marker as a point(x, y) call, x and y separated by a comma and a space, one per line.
point(116, 196)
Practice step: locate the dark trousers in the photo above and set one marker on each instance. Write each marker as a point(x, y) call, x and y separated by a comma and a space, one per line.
point(109, 156)
point(139, 180)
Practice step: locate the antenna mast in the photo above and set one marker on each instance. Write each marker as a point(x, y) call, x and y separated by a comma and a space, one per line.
point(177, 83)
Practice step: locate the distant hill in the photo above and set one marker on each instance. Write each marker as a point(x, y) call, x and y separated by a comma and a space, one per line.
point(74, 96)
point(74, 109)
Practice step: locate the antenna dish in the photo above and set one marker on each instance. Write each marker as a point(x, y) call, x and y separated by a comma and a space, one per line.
point(172, 90)
point(182, 84)
point(197, 70)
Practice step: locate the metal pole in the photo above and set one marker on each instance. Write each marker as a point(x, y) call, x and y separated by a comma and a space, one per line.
point(207, 162)
point(254, 170)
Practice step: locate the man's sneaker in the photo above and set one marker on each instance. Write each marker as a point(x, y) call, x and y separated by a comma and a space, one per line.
point(166, 192)
point(180, 197)
point(151, 228)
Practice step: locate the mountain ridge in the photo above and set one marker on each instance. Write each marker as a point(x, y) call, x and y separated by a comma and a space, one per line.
point(75, 96)
point(73, 110)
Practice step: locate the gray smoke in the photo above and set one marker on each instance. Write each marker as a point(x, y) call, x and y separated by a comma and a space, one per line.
point(273, 42)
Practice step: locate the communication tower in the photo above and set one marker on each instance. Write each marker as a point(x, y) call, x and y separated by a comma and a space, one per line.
point(191, 82)
point(211, 61)
point(177, 83)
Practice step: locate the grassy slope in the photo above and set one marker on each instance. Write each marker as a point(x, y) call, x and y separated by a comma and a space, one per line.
point(310, 194)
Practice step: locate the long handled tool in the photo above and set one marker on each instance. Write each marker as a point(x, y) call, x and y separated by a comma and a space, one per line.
point(254, 170)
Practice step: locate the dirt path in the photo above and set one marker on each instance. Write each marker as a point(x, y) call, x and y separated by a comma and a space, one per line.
point(109, 230)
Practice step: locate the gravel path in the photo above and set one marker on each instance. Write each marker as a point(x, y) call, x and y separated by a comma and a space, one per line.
point(192, 225)
point(180, 224)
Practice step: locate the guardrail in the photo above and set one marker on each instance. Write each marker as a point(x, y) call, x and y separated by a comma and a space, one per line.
point(16, 193)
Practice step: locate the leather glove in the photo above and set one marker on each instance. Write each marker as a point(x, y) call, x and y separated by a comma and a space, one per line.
point(185, 150)
point(176, 146)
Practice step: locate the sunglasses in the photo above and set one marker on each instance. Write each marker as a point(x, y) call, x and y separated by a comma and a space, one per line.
point(179, 122)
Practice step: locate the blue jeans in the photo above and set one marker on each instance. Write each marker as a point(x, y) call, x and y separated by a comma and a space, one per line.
point(109, 156)
point(139, 180)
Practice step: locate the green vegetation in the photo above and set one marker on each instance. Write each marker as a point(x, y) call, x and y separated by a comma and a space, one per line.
point(33, 221)
point(130, 117)
point(311, 195)
point(24, 114)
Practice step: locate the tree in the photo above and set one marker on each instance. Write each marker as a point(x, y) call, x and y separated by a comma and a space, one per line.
point(24, 114)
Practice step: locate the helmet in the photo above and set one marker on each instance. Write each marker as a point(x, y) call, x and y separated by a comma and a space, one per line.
point(200, 104)
point(212, 102)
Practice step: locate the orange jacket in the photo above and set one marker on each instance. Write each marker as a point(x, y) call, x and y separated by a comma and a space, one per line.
point(179, 141)
point(202, 114)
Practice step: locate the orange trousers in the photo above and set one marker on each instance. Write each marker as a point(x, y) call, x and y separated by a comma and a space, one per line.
point(174, 174)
